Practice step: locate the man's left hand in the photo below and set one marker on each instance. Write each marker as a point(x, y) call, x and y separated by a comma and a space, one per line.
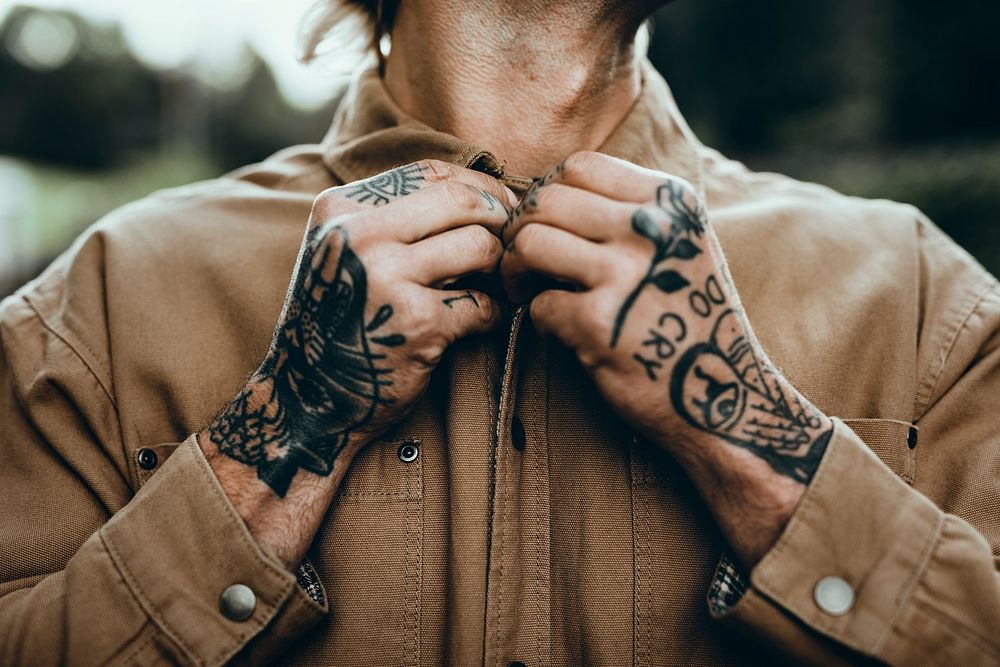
point(640, 289)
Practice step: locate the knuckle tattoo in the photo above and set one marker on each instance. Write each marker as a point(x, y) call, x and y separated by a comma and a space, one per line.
point(316, 402)
point(718, 380)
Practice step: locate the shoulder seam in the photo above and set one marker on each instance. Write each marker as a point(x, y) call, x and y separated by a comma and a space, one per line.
point(933, 378)
point(65, 341)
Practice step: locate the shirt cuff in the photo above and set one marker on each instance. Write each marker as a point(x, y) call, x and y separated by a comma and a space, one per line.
point(180, 545)
point(845, 566)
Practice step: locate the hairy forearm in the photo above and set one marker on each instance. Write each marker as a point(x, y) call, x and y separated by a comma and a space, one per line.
point(284, 524)
point(750, 497)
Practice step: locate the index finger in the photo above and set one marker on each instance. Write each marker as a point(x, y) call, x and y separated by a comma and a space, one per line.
point(394, 184)
point(609, 176)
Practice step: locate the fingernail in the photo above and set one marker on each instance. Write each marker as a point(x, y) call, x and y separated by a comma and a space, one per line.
point(511, 197)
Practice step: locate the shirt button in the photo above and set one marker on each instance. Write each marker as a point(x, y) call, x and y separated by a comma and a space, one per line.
point(237, 602)
point(408, 452)
point(834, 596)
point(517, 436)
point(147, 459)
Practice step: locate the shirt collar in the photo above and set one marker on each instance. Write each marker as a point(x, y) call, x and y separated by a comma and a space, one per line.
point(371, 134)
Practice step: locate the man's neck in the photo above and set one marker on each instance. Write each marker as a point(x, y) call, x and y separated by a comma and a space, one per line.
point(531, 81)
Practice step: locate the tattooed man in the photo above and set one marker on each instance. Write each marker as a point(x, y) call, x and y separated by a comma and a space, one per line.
point(509, 370)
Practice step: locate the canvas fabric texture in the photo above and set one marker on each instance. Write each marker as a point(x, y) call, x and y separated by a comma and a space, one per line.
point(587, 546)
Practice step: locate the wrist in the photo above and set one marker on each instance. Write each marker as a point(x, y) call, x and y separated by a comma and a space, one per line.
point(750, 500)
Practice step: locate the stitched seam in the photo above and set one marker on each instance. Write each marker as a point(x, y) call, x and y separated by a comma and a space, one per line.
point(493, 402)
point(503, 547)
point(538, 536)
point(68, 343)
point(635, 555)
point(420, 559)
point(908, 591)
point(146, 603)
point(234, 516)
point(376, 494)
point(971, 636)
point(501, 420)
point(130, 656)
point(409, 641)
point(648, 577)
point(909, 474)
point(945, 350)
point(203, 466)
point(875, 420)
point(767, 586)
point(97, 378)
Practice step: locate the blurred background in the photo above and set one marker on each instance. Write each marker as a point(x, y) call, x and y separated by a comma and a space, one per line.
point(104, 101)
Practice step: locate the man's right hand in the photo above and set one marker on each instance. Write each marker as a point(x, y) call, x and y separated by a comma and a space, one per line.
point(365, 322)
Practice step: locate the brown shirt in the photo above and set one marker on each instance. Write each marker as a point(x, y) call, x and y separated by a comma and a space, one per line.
point(532, 526)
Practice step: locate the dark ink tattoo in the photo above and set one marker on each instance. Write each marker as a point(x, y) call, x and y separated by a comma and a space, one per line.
point(686, 225)
point(491, 201)
point(467, 296)
point(530, 199)
point(663, 347)
point(328, 378)
point(391, 185)
point(722, 387)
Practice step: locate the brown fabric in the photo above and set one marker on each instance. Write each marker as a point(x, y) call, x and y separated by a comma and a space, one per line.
point(587, 547)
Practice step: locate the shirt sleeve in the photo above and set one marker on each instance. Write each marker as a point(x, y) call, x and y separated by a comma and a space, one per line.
point(93, 571)
point(897, 572)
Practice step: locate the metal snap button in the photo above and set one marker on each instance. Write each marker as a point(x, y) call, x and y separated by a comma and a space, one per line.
point(834, 596)
point(237, 602)
point(147, 459)
point(408, 452)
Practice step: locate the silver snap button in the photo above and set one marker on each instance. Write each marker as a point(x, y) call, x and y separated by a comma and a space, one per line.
point(237, 602)
point(834, 596)
point(408, 452)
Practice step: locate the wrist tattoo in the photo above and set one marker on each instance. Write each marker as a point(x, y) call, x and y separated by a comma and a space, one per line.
point(327, 376)
point(721, 384)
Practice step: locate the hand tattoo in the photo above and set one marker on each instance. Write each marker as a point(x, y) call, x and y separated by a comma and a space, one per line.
point(686, 225)
point(391, 185)
point(467, 296)
point(327, 376)
point(720, 385)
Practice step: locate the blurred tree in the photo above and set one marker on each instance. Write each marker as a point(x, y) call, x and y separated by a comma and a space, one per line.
point(944, 75)
point(896, 99)
point(88, 112)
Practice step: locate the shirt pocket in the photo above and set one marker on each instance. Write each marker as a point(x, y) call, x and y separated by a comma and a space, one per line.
point(368, 554)
point(893, 441)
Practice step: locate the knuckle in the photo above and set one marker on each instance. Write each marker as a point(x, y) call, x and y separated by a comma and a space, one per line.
point(580, 162)
point(489, 308)
point(462, 196)
point(429, 355)
point(484, 244)
point(436, 171)
point(547, 195)
point(530, 238)
point(325, 205)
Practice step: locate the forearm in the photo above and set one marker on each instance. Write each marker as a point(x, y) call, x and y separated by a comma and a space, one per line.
point(750, 500)
point(152, 581)
point(285, 524)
